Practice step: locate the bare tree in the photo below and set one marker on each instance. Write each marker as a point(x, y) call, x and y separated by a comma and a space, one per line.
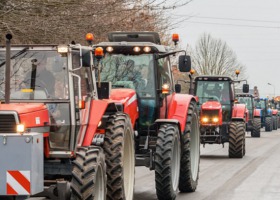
point(213, 56)
point(56, 21)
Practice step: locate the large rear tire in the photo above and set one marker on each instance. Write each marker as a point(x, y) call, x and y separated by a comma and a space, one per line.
point(256, 132)
point(89, 174)
point(167, 161)
point(120, 157)
point(189, 171)
point(236, 139)
point(268, 124)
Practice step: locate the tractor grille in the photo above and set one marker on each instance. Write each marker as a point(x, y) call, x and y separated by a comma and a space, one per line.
point(8, 122)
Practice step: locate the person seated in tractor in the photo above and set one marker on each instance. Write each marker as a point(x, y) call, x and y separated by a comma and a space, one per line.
point(40, 77)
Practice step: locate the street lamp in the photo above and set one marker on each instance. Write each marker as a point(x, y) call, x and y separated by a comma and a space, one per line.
point(273, 88)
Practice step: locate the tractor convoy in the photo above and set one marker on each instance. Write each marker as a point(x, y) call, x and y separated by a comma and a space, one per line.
point(87, 115)
point(76, 120)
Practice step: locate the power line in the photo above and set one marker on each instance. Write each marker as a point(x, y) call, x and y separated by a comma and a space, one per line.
point(225, 18)
point(240, 25)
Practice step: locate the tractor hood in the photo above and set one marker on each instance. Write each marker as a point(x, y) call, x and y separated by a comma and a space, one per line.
point(211, 105)
point(30, 114)
point(128, 99)
point(22, 108)
point(123, 95)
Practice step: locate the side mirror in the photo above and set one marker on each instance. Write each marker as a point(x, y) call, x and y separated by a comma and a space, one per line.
point(86, 58)
point(245, 88)
point(184, 63)
point(177, 88)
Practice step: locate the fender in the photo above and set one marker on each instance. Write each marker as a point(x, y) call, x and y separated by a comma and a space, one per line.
point(128, 98)
point(96, 109)
point(257, 112)
point(178, 108)
point(238, 112)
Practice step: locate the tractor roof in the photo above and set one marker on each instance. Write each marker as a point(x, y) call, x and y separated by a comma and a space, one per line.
point(31, 46)
point(213, 78)
point(143, 36)
point(244, 95)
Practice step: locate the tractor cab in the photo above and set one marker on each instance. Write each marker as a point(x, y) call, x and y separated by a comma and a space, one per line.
point(262, 103)
point(216, 88)
point(136, 60)
point(42, 77)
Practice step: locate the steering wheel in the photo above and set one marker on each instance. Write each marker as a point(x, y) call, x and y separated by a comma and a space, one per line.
point(216, 98)
point(141, 84)
point(42, 85)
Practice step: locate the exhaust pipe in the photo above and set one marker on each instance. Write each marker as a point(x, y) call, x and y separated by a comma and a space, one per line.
point(8, 68)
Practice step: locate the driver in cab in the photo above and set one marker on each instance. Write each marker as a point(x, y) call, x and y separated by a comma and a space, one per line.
point(40, 77)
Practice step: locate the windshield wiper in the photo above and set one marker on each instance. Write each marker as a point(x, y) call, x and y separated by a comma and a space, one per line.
point(16, 55)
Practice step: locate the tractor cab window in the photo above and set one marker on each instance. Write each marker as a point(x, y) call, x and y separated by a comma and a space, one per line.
point(260, 104)
point(247, 101)
point(130, 71)
point(135, 72)
point(35, 75)
point(165, 75)
point(213, 90)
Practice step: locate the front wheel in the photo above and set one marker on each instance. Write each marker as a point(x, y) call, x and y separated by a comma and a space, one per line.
point(167, 161)
point(236, 139)
point(191, 152)
point(256, 132)
point(120, 157)
point(268, 124)
point(89, 174)
point(274, 122)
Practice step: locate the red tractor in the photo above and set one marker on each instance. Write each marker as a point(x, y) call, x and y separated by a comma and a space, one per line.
point(272, 104)
point(75, 145)
point(167, 128)
point(253, 123)
point(220, 119)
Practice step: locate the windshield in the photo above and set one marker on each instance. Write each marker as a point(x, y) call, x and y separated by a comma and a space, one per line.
point(260, 104)
point(35, 74)
point(213, 90)
point(130, 71)
point(246, 100)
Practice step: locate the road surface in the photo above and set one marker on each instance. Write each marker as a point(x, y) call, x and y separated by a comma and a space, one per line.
point(254, 177)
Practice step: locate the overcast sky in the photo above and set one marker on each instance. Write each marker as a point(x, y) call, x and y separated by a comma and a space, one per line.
point(250, 27)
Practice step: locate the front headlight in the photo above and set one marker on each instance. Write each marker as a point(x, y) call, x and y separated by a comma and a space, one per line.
point(205, 119)
point(20, 128)
point(215, 119)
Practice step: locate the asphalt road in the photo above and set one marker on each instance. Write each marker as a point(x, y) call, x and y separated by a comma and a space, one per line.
point(254, 177)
